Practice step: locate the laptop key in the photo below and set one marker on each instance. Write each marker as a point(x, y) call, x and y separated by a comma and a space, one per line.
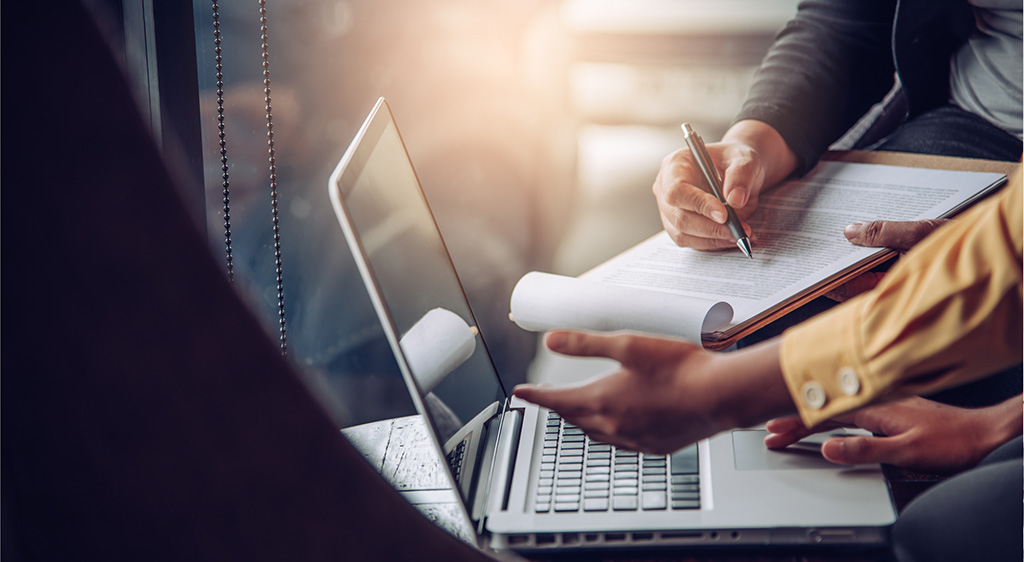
point(654, 500)
point(624, 503)
point(684, 479)
point(595, 504)
point(679, 488)
point(685, 504)
point(684, 461)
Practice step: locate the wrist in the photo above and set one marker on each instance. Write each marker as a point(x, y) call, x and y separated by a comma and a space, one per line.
point(1004, 423)
point(778, 159)
point(749, 388)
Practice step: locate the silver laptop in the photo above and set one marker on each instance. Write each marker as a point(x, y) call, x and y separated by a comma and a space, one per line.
point(529, 481)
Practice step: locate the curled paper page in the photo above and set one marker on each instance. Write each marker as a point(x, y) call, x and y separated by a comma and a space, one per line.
point(544, 301)
point(436, 345)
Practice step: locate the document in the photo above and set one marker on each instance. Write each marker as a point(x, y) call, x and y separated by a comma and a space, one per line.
point(800, 253)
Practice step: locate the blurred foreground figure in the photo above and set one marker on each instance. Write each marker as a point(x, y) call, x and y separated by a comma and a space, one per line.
point(145, 413)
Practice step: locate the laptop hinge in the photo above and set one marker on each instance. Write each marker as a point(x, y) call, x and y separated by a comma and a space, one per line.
point(501, 471)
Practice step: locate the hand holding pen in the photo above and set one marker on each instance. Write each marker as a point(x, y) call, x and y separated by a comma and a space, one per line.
point(714, 183)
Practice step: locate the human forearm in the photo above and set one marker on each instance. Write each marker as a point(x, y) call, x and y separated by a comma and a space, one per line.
point(825, 69)
point(749, 388)
point(667, 393)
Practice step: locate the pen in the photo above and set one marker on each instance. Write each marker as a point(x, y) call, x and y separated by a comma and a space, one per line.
point(700, 154)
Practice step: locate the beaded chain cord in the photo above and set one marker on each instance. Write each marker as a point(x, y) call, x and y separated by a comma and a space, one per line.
point(265, 54)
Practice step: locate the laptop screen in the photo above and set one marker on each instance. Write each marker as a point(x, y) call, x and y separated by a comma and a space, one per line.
point(408, 262)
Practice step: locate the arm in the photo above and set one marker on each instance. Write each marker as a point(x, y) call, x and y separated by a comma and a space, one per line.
point(825, 70)
point(948, 313)
point(667, 393)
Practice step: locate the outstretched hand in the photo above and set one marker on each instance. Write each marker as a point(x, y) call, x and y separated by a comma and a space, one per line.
point(913, 433)
point(667, 393)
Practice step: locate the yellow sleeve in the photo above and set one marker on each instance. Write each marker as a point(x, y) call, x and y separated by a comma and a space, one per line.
point(950, 311)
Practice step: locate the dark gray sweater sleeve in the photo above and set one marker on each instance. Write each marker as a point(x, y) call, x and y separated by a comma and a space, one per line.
point(826, 68)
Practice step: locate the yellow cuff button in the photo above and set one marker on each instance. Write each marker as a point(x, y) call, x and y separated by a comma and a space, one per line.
point(849, 382)
point(814, 396)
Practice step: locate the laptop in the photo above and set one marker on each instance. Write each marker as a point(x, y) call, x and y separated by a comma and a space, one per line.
point(528, 481)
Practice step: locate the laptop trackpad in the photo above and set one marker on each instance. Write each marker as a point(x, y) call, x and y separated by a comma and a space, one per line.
point(751, 454)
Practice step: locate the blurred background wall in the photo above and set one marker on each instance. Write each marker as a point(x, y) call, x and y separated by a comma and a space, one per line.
point(536, 127)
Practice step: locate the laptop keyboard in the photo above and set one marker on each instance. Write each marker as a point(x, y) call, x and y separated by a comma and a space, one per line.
point(456, 457)
point(578, 474)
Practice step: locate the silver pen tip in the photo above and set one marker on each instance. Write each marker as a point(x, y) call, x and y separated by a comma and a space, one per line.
point(744, 245)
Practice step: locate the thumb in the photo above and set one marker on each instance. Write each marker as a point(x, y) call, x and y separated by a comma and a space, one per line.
point(738, 184)
point(898, 235)
point(860, 450)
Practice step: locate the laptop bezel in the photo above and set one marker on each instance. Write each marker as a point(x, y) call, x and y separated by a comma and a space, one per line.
point(372, 129)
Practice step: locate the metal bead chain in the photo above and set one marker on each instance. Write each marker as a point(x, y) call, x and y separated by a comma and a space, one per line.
point(223, 142)
point(273, 175)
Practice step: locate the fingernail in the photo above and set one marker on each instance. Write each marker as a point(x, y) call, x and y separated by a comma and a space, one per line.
point(556, 340)
point(853, 230)
point(736, 199)
point(834, 450)
point(522, 389)
point(718, 216)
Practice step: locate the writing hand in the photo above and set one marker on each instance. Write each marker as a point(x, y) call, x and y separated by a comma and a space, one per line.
point(898, 235)
point(691, 215)
point(751, 156)
point(667, 393)
point(916, 433)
